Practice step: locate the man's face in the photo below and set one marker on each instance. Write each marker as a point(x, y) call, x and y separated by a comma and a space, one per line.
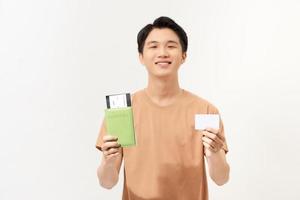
point(162, 53)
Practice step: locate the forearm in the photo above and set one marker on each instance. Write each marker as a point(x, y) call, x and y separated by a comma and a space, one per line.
point(218, 167)
point(107, 174)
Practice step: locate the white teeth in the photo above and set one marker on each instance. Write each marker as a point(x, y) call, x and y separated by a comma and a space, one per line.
point(163, 62)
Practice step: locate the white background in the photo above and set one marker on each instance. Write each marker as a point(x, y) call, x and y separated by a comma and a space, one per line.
point(59, 58)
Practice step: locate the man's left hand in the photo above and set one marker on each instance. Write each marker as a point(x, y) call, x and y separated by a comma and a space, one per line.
point(212, 141)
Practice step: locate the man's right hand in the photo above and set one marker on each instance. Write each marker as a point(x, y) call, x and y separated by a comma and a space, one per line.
point(108, 171)
point(110, 148)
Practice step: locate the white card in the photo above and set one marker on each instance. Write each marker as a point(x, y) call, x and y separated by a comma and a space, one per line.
point(118, 101)
point(203, 121)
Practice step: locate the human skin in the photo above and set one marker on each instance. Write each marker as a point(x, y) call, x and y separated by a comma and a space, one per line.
point(163, 56)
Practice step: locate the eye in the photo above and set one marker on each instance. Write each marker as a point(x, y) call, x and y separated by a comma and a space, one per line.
point(171, 47)
point(153, 47)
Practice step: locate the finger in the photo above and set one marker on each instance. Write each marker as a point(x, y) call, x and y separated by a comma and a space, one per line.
point(214, 131)
point(108, 145)
point(221, 137)
point(210, 135)
point(108, 152)
point(208, 146)
point(111, 151)
point(112, 155)
point(114, 148)
point(216, 137)
point(107, 138)
point(217, 141)
point(209, 141)
point(212, 144)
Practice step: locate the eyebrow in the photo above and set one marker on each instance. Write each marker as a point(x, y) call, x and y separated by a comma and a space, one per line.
point(155, 42)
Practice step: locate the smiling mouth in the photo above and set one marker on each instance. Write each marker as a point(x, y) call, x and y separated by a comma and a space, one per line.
point(163, 62)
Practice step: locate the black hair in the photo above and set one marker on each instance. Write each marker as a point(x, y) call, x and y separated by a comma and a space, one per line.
point(162, 22)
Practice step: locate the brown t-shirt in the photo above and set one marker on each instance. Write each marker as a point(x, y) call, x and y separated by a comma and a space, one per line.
point(168, 161)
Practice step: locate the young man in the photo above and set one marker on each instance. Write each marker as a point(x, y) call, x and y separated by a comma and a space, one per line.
point(168, 161)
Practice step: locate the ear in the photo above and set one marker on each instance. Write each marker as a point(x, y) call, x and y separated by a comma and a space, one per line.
point(141, 59)
point(183, 57)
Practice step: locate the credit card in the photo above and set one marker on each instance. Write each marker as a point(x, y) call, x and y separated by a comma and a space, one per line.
point(118, 100)
point(203, 121)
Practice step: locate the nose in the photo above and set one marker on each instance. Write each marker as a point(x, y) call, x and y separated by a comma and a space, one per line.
point(163, 52)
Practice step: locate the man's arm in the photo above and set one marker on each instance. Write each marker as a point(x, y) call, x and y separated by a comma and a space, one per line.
point(108, 171)
point(215, 156)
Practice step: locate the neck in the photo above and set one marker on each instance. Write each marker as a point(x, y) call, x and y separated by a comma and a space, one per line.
point(163, 90)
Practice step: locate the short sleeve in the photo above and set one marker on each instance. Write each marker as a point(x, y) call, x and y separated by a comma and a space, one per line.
point(214, 110)
point(221, 132)
point(102, 132)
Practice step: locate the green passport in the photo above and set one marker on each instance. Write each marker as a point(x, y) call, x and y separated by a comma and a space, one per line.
point(119, 123)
